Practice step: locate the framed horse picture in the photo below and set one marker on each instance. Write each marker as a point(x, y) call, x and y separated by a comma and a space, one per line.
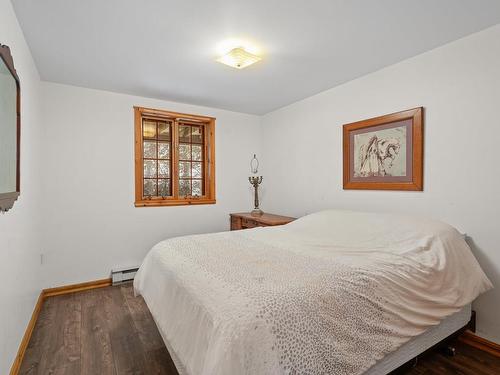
point(385, 153)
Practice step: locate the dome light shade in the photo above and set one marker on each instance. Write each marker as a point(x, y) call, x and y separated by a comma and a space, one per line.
point(239, 58)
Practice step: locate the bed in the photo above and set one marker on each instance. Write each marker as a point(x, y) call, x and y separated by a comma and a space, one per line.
point(335, 292)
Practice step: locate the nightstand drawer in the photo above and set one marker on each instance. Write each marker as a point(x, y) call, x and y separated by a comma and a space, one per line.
point(249, 223)
point(235, 223)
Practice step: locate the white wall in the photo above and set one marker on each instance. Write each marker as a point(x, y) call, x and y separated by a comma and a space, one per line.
point(459, 86)
point(90, 222)
point(19, 231)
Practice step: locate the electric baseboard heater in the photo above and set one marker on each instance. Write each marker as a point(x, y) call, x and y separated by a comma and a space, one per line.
point(122, 275)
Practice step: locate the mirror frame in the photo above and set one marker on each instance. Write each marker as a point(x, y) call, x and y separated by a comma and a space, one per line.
point(7, 199)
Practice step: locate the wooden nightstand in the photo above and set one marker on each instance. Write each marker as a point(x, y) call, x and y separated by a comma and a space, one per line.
point(245, 220)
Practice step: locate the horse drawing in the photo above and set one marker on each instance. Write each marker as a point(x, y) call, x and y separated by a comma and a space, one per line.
point(377, 156)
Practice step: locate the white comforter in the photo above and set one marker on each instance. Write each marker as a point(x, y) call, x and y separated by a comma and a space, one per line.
point(330, 293)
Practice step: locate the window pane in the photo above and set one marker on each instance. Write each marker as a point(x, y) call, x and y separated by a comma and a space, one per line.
point(197, 188)
point(197, 134)
point(184, 152)
point(149, 168)
point(196, 170)
point(149, 187)
point(163, 188)
point(164, 168)
point(164, 130)
point(184, 169)
point(185, 133)
point(163, 150)
point(149, 129)
point(150, 149)
point(184, 188)
point(197, 152)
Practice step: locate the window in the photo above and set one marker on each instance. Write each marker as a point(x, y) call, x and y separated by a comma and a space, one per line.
point(174, 158)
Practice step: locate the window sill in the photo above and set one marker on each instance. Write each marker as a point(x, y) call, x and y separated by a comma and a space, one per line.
point(172, 202)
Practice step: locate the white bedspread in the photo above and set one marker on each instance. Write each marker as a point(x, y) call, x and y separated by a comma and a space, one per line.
point(330, 293)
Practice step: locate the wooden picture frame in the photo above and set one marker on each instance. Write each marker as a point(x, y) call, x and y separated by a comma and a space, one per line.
point(384, 153)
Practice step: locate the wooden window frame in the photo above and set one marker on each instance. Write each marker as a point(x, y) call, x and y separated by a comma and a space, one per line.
point(208, 161)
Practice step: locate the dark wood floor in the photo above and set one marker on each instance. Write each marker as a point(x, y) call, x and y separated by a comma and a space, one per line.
point(109, 331)
point(467, 361)
point(97, 332)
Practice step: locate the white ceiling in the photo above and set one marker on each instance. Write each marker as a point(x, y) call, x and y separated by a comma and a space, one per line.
point(165, 49)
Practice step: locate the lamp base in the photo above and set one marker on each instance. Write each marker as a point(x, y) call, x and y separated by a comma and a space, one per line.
point(257, 212)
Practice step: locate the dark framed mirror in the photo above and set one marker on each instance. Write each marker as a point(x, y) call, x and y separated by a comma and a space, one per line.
point(10, 130)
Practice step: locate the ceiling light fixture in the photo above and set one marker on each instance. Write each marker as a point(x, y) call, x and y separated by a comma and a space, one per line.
point(239, 58)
